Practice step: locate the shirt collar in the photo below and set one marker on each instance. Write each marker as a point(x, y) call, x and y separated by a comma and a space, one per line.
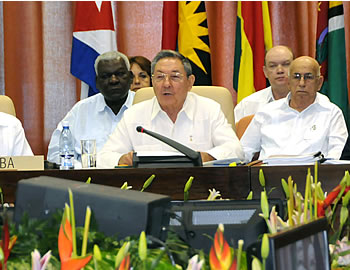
point(189, 110)
point(316, 101)
point(101, 103)
point(270, 97)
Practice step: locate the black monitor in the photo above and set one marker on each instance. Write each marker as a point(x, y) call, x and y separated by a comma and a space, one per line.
point(197, 221)
point(303, 247)
point(121, 212)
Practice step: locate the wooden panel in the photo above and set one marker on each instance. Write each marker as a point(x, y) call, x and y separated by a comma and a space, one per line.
point(233, 183)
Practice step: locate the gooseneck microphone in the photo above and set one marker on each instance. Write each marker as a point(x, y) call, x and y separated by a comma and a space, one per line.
point(188, 152)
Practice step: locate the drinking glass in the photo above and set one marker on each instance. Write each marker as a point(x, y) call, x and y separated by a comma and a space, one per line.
point(88, 153)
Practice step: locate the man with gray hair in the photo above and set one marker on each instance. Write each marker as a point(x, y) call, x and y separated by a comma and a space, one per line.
point(302, 123)
point(174, 112)
point(97, 116)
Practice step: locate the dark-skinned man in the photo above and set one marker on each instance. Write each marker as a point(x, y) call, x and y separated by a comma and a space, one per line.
point(96, 117)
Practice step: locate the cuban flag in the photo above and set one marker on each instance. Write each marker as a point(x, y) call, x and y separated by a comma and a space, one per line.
point(94, 33)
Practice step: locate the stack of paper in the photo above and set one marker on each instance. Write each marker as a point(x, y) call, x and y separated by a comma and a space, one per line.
point(288, 160)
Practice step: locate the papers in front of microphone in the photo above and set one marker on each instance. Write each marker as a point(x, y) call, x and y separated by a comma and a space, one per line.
point(287, 160)
point(158, 153)
point(222, 162)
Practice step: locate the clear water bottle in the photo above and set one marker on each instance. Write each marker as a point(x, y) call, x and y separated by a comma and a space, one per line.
point(66, 148)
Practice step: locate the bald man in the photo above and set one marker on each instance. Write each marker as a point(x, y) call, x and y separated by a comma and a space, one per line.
point(301, 123)
point(277, 62)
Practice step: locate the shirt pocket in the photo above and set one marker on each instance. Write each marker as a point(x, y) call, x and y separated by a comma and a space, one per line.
point(200, 139)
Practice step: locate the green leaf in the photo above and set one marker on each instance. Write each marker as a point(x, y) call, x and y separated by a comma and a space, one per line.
point(265, 249)
point(264, 204)
point(344, 214)
point(148, 182)
point(285, 188)
point(346, 199)
point(188, 184)
point(250, 195)
point(143, 246)
point(261, 178)
point(121, 254)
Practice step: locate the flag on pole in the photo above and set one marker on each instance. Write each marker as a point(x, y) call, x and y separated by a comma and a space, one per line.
point(330, 53)
point(193, 39)
point(191, 31)
point(253, 39)
point(94, 34)
point(170, 25)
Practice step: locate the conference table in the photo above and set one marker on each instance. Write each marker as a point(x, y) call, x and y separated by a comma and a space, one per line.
point(232, 182)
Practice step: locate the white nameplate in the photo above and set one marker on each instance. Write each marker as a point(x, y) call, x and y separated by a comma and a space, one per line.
point(22, 163)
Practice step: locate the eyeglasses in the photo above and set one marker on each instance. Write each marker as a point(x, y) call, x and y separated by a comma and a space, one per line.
point(174, 77)
point(308, 77)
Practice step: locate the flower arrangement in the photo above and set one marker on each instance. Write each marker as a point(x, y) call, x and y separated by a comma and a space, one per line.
point(59, 238)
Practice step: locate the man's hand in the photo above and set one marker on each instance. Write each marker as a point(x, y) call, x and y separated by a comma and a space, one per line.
point(126, 159)
point(206, 157)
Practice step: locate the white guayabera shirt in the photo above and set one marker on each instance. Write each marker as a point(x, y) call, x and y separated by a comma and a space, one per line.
point(253, 103)
point(90, 118)
point(200, 125)
point(12, 138)
point(279, 129)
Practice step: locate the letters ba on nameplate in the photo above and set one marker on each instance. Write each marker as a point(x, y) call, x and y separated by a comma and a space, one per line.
point(22, 163)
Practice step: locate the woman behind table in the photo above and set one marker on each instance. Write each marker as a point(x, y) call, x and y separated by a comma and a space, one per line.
point(141, 68)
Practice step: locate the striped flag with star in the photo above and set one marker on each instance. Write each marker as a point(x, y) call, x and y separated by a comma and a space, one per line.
point(253, 39)
point(93, 34)
point(192, 35)
point(331, 54)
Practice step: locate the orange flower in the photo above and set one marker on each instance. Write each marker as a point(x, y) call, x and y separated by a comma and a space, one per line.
point(125, 264)
point(220, 256)
point(65, 248)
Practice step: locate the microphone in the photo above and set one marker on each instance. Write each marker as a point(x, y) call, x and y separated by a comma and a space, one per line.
point(188, 152)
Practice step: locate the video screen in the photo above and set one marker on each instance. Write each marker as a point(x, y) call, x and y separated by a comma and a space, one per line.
point(310, 253)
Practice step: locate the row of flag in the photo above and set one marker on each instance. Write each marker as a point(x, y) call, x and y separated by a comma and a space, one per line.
point(185, 29)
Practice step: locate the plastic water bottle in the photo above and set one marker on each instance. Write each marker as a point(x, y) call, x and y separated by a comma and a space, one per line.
point(66, 148)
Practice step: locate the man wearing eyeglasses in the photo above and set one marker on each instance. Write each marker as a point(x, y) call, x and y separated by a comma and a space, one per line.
point(277, 62)
point(302, 123)
point(174, 112)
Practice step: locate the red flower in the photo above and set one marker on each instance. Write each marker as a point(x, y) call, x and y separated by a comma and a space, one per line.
point(220, 256)
point(6, 243)
point(320, 209)
point(333, 195)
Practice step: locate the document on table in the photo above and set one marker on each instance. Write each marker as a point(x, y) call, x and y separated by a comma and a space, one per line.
point(287, 160)
point(222, 162)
